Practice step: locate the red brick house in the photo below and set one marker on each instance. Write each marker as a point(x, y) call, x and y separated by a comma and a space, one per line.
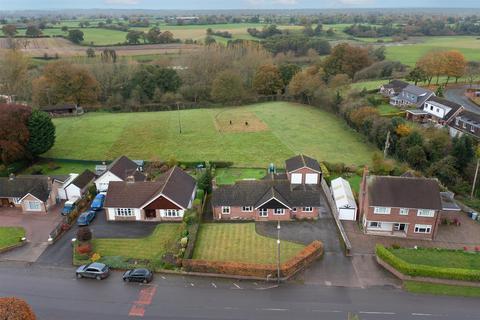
point(164, 199)
point(408, 207)
point(296, 194)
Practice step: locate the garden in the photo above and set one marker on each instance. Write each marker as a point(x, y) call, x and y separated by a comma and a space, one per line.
point(10, 236)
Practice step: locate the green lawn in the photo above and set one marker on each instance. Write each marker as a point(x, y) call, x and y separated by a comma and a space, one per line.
point(230, 175)
point(368, 85)
point(149, 248)
point(239, 242)
point(441, 289)
point(386, 109)
point(276, 131)
point(60, 167)
point(440, 258)
point(10, 236)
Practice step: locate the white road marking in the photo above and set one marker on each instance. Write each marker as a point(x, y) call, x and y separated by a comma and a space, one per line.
point(422, 314)
point(273, 309)
point(327, 311)
point(376, 312)
point(192, 284)
point(214, 285)
point(237, 286)
point(163, 277)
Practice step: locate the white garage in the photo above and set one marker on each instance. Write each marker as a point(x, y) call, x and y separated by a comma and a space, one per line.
point(344, 200)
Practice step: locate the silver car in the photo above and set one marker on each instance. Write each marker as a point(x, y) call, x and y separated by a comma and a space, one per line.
point(94, 270)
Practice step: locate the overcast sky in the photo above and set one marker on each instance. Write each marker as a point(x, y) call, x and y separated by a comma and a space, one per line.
point(230, 4)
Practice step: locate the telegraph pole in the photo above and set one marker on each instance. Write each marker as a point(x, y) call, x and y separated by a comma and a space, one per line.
point(278, 252)
point(179, 120)
point(387, 145)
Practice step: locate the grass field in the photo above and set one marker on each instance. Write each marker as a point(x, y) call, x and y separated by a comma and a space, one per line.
point(60, 167)
point(239, 242)
point(440, 258)
point(290, 129)
point(441, 289)
point(230, 175)
point(10, 236)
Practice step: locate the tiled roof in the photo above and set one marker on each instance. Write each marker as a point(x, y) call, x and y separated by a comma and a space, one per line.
point(302, 161)
point(454, 107)
point(19, 186)
point(83, 179)
point(122, 167)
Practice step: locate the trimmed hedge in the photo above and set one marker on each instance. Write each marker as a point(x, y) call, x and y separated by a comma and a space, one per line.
point(417, 270)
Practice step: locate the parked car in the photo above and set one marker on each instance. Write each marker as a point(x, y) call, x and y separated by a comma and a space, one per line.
point(68, 207)
point(94, 270)
point(138, 275)
point(86, 218)
point(97, 203)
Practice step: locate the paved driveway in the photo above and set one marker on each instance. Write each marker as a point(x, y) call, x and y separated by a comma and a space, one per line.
point(457, 94)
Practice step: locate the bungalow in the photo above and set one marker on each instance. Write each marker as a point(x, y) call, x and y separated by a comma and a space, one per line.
point(465, 122)
point(393, 88)
point(165, 199)
point(294, 194)
point(412, 95)
point(120, 169)
point(400, 206)
point(31, 193)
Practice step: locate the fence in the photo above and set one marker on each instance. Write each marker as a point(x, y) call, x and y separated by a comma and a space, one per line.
point(333, 208)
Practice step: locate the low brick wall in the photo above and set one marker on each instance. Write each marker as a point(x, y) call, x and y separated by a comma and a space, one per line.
point(304, 258)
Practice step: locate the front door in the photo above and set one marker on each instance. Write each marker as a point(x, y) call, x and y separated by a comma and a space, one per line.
point(150, 213)
point(400, 227)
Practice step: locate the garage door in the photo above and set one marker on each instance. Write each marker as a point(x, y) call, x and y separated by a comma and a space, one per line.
point(297, 178)
point(311, 178)
point(347, 214)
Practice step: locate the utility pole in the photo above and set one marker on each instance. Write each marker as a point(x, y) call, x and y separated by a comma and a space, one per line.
point(278, 252)
point(179, 120)
point(387, 145)
point(475, 179)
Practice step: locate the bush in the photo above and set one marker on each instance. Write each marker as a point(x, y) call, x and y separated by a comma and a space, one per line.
point(200, 194)
point(36, 169)
point(190, 217)
point(15, 308)
point(84, 234)
point(95, 257)
point(84, 248)
point(325, 172)
point(338, 167)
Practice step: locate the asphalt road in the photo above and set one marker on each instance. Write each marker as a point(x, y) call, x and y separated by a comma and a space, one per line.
point(456, 94)
point(54, 293)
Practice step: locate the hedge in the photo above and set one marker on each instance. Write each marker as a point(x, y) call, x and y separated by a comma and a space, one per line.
point(287, 269)
point(417, 270)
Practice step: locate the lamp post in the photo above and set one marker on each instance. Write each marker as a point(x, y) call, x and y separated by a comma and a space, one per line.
point(278, 252)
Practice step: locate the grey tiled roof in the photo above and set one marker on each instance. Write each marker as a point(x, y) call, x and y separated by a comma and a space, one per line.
point(20, 186)
point(301, 161)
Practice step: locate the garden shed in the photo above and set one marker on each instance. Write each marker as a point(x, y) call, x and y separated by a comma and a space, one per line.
point(344, 200)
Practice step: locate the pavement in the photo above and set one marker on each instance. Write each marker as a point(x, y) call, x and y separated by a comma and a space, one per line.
point(54, 293)
point(457, 94)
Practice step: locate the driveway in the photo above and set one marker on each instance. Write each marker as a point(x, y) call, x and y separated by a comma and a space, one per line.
point(60, 253)
point(37, 226)
point(457, 94)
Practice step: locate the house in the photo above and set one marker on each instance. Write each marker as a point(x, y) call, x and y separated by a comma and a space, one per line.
point(441, 110)
point(120, 169)
point(294, 194)
point(344, 200)
point(36, 193)
point(465, 122)
point(77, 187)
point(400, 206)
point(412, 96)
point(63, 110)
point(393, 88)
point(164, 199)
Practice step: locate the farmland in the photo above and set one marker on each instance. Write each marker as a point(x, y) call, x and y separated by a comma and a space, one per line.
point(286, 129)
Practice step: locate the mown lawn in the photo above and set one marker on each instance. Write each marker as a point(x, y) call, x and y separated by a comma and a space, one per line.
point(441, 289)
point(60, 167)
point(239, 242)
point(385, 109)
point(149, 248)
point(10, 236)
point(440, 258)
point(230, 175)
point(284, 129)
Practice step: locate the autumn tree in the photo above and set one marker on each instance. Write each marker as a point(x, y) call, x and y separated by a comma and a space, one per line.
point(417, 75)
point(42, 133)
point(33, 31)
point(305, 83)
point(14, 132)
point(268, 80)
point(430, 64)
point(346, 59)
point(454, 65)
point(227, 87)
point(12, 308)
point(472, 71)
point(14, 75)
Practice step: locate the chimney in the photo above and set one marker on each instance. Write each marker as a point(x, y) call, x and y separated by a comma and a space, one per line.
point(11, 177)
point(130, 176)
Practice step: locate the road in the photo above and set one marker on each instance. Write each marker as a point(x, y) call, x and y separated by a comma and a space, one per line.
point(456, 94)
point(54, 293)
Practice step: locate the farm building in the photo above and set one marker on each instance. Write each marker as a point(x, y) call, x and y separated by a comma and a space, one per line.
point(63, 110)
point(344, 200)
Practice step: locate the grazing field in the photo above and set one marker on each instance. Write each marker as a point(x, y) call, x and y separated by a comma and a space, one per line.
point(239, 242)
point(10, 236)
point(290, 129)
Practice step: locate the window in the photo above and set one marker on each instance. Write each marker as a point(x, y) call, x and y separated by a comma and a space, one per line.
point(375, 224)
point(172, 213)
point(263, 212)
point(124, 212)
point(34, 205)
point(423, 228)
point(311, 178)
point(472, 128)
point(400, 226)
point(16, 200)
point(425, 213)
point(307, 209)
point(247, 209)
point(296, 178)
point(431, 108)
point(279, 212)
point(225, 210)
point(464, 125)
point(404, 211)
point(381, 210)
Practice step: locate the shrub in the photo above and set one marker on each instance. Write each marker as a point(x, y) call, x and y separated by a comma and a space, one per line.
point(190, 217)
point(184, 242)
point(84, 248)
point(325, 172)
point(95, 257)
point(396, 246)
point(84, 234)
point(15, 308)
point(200, 194)
point(36, 169)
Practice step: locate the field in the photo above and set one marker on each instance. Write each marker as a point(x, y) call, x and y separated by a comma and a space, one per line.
point(10, 236)
point(239, 242)
point(440, 258)
point(291, 129)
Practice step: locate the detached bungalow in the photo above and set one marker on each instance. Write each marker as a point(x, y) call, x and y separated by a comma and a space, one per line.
point(393, 88)
point(165, 199)
point(121, 169)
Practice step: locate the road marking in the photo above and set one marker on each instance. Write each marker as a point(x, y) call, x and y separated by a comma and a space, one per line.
point(163, 277)
point(214, 285)
point(327, 311)
point(274, 309)
point(191, 284)
point(145, 297)
point(237, 286)
point(422, 314)
point(376, 312)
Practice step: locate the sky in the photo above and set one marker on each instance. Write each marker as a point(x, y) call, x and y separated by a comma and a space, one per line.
point(229, 4)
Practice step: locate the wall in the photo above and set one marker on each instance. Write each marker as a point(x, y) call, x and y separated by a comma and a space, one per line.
point(303, 171)
point(105, 178)
point(32, 198)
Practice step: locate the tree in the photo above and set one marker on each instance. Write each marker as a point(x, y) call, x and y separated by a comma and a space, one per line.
point(64, 28)
point(12, 308)
point(444, 170)
point(133, 37)
point(287, 71)
point(417, 75)
point(227, 87)
point(33, 31)
point(90, 53)
point(454, 65)
point(76, 36)
point(416, 157)
point(42, 133)
point(109, 55)
point(153, 35)
point(477, 155)
point(472, 71)
point(432, 64)
point(346, 59)
point(14, 75)
point(463, 151)
point(210, 40)
point(84, 234)
point(304, 84)
point(9, 30)
point(13, 132)
point(267, 80)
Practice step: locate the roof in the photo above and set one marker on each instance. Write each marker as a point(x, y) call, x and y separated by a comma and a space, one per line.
point(417, 111)
point(454, 107)
point(404, 192)
point(123, 167)
point(256, 192)
point(342, 193)
point(59, 107)
point(83, 179)
point(174, 184)
point(471, 118)
point(416, 90)
point(302, 161)
point(20, 186)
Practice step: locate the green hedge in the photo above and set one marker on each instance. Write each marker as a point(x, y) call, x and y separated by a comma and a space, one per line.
point(417, 270)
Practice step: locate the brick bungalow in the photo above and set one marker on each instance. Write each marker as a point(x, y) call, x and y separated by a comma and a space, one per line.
point(408, 207)
point(294, 194)
point(120, 169)
point(164, 199)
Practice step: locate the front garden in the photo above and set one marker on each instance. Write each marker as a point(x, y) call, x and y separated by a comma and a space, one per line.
point(10, 236)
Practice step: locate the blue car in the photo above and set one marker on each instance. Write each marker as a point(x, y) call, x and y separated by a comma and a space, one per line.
point(86, 218)
point(97, 203)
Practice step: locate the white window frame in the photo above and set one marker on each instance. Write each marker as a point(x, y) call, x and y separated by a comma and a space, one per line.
point(262, 212)
point(310, 175)
point(307, 209)
point(472, 129)
point(381, 210)
point(404, 211)
point(17, 200)
point(419, 227)
point(378, 226)
point(247, 209)
point(38, 205)
point(172, 213)
point(396, 226)
point(226, 210)
point(457, 121)
point(427, 213)
point(464, 125)
point(124, 212)
point(296, 175)
point(278, 212)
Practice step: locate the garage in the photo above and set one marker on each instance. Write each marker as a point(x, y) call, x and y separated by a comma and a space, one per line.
point(344, 200)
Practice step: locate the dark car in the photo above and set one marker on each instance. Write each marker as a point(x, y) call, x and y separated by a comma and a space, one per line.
point(86, 218)
point(97, 203)
point(94, 270)
point(138, 275)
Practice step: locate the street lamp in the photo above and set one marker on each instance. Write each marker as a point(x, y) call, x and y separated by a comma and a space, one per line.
point(278, 251)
